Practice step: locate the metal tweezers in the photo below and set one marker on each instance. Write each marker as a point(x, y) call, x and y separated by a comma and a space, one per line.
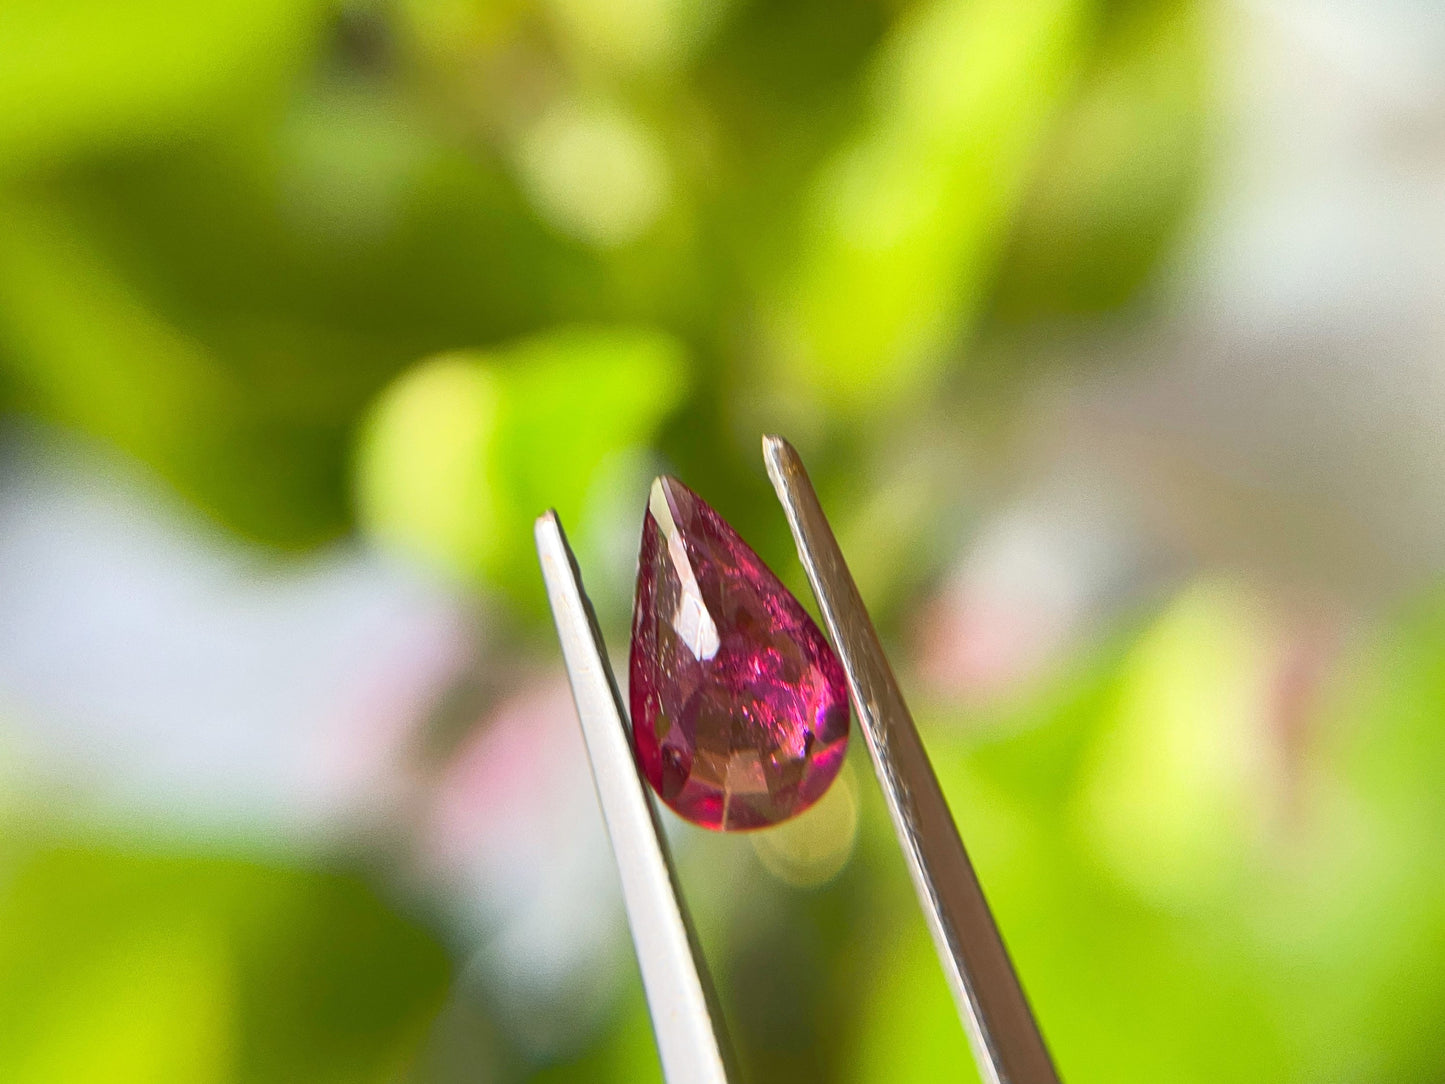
point(691, 1037)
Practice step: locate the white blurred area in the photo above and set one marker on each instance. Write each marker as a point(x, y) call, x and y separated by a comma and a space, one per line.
point(1282, 421)
point(168, 678)
point(513, 824)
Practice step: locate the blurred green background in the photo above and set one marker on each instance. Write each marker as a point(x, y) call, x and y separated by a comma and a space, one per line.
point(1109, 330)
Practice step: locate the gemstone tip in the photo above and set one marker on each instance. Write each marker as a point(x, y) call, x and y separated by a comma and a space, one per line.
point(660, 500)
point(666, 483)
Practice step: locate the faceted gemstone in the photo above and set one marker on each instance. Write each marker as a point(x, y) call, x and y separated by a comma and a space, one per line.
point(739, 708)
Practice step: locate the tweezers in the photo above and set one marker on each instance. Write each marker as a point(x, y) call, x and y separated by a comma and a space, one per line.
point(692, 1040)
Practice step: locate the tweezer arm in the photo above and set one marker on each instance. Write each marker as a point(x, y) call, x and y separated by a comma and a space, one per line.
point(1006, 1041)
point(685, 1018)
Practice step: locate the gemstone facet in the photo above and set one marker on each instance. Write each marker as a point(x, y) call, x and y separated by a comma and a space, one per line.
point(739, 707)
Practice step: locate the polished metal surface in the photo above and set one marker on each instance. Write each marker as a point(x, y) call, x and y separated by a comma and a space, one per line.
point(691, 1039)
point(1006, 1040)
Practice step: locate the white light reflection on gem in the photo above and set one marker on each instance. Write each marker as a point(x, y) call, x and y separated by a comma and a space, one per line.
point(692, 621)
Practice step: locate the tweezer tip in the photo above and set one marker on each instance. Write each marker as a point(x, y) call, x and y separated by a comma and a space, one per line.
point(547, 522)
point(774, 445)
point(781, 459)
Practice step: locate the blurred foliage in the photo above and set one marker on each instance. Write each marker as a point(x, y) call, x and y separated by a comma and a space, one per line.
point(903, 223)
point(264, 215)
point(465, 449)
point(88, 75)
point(1283, 940)
point(424, 268)
point(140, 965)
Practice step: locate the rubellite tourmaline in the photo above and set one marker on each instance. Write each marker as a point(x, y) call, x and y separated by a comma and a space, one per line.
point(739, 707)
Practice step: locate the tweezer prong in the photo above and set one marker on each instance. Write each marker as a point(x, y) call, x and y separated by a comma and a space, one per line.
point(691, 1040)
point(1006, 1041)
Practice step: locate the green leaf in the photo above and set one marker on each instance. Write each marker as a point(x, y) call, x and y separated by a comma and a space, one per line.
point(465, 450)
point(155, 1005)
point(80, 74)
point(1113, 186)
point(905, 222)
point(89, 352)
point(138, 967)
point(1176, 796)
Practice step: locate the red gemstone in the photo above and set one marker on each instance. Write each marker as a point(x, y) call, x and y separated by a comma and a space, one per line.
point(739, 708)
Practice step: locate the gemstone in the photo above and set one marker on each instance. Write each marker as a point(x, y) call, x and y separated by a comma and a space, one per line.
point(739, 707)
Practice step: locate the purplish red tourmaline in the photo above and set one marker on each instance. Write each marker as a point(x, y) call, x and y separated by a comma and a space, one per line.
point(739, 708)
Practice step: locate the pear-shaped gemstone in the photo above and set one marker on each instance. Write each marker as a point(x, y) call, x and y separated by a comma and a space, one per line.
point(739, 707)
